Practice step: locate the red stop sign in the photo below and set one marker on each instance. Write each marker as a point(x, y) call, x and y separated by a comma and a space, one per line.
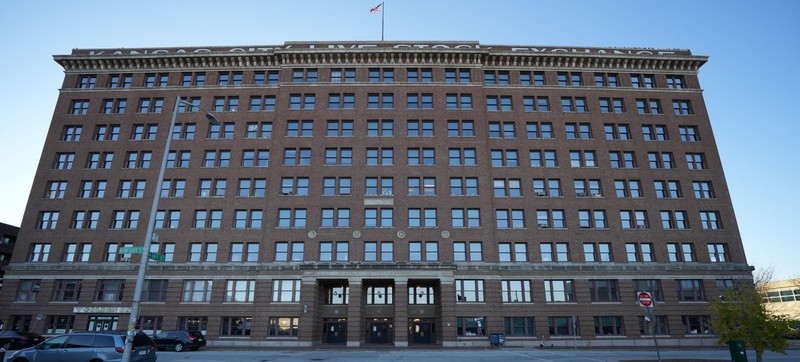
point(645, 300)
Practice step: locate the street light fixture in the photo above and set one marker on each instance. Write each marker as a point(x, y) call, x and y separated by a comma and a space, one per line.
point(151, 223)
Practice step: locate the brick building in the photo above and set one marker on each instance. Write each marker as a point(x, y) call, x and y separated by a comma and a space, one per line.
point(381, 193)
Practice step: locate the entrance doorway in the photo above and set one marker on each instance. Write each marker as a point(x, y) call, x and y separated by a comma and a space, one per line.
point(98, 323)
point(379, 331)
point(421, 331)
point(336, 331)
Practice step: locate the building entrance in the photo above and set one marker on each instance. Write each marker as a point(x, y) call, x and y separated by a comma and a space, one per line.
point(421, 331)
point(379, 331)
point(102, 323)
point(336, 331)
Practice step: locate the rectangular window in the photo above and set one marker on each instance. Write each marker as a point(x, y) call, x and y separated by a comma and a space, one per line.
point(463, 186)
point(609, 326)
point(710, 220)
point(304, 75)
point(655, 132)
point(454, 75)
point(284, 326)
point(516, 291)
point(639, 252)
point(587, 188)
point(469, 291)
point(536, 130)
point(560, 254)
point(648, 285)
point(648, 106)
point(643, 81)
point(297, 157)
point(378, 217)
point(559, 291)
point(697, 324)
point(419, 101)
point(536, 104)
point(569, 79)
point(696, 161)
point(703, 190)
point(343, 75)
point(196, 291)
point(462, 157)
point(582, 159)
point(65, 290)
point(628, 188)
point(499, 103)
point(421, 186)
point(456, 128)
point(465, 218)
point(336, 186)
point(690, 290)
point(458, 101)
point(339, 128)
point(240, 291)
point(563, 326)
point(604, 290)
point(689, 133)
point(380, 128)
point(379, 186)
point(717, 253)
point(634, 219)
point(79, 107)
point(682, 107)
point(381, 75)
point(550, 219)
point(109, 290)
point(510, 219)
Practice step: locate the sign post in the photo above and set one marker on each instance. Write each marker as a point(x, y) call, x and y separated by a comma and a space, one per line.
point(645, 300)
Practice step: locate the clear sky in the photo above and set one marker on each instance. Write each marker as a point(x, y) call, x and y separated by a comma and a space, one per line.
point(751, 82)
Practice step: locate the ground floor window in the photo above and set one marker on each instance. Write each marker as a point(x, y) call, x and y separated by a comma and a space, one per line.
point(697, 324)
point(21, 323)
point(471, 326)
point(563, 326)
point(150, 325)
point(658, 323)
point(608, 326)
point(236, 326)
point(193, 324)
point(519, 326)
point(284, 326)
point(102, 323)
point(60, 324)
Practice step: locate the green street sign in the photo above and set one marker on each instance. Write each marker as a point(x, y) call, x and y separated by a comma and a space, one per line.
point(132, 250)
point(157, 257)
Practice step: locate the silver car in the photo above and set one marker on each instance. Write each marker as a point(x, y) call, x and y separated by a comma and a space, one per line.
point(87, 346)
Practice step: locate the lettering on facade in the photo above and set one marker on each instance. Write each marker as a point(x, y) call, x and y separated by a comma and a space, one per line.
point(379, 202)
point(101, 310)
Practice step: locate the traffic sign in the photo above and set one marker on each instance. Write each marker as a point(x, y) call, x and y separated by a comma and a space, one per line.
point(645, 299)
point(132, 250)
point(157, 257)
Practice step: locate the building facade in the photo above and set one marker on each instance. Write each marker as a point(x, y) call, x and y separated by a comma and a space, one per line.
point(381, 193)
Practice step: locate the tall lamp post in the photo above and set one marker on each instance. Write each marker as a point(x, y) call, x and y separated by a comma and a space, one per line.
point(151, 223)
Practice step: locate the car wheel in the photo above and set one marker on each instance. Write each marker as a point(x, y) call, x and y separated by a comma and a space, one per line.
point(178, 347)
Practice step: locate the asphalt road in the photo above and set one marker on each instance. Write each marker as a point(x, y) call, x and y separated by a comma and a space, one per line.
point(459, 355)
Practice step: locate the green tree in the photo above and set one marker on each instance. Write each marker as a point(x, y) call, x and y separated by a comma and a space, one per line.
point(743, 316)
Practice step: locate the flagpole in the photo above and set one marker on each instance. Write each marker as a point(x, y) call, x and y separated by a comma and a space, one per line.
point(383, 8)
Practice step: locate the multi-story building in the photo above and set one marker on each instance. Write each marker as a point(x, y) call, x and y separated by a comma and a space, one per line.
point(381, 193)
point(8, 238)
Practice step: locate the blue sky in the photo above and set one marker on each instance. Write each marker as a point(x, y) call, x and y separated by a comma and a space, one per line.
point(751, 81)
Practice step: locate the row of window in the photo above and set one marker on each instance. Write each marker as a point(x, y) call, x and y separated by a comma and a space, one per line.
point(385, 156)
point(386, 128)
point(386, 75)
point(308, 101)
point(329, 251)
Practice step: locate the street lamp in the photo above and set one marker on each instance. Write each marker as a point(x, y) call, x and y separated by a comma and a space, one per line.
point(151, 223)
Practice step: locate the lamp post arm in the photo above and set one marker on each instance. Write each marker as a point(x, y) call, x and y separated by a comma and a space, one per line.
point(151, 223)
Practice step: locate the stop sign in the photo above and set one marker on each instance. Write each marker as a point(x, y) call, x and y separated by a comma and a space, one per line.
point(645, 300)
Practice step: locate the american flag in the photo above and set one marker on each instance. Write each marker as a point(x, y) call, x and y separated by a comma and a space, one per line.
point(376, 9)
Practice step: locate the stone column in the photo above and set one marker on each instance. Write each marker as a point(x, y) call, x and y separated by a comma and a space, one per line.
point(355, 319)
point(401, 312)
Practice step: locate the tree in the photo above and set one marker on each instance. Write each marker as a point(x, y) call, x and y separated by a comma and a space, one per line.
point(743, 316)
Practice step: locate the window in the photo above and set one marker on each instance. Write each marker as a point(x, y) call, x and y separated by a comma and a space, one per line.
point(604, 290)
point(516, 291)
point(66, 290)
point(639, 252)
point(336, 186)
point(543, 158)
point(550, 219)
point(617, 131)
point(512, 252)
point(421, 186)
point(330, 251)
point(648, 106)
point(240, 291)
point(381, 75)
point(267, 103)
point(378, 217)
point(292, 218)
point(230, 78)
point(419, 128)
point(456, 128)
point(634, 219)
point(80, 107)
point(207, 219)
point(670, 189)
point(628, 188)
point(217, 158)
point(696, 161)
point(697, 324)
point(85, 220)
point(547, 188)
point(338, 156)
point(592, 219)
point(419, 75)
point(559, 291)
point(167, 219)
point(184, 131)
point(682, 107)
point(380, 101)
point(689, 133)
point(296, 128)
point(501, 130)
point(609, 326)
point(703, 190)
point(339, 218)
point(105, 132)
point(55, 189)
point(465, 218)
point(141, 132)
point(717, 253)
point(625, 159)
point(47, 220)
point(680, 252)
point(573, 104)
point(285, 251)
point(581, 131)
point(648, 285)
point(63, 161)
point(380, 294)
point(284, 326)
point(92, 189)
point(469, 291)
point(109, 290)
point(569, 79)
point(563, 326)
point(196, 291)
point(495, 77)
point(114, 106)
point(131, 189)
point(463, 186)
point(536, 104)
point(587, 188)
point(505, 158)
point(379, 186)
point(212, 187)
point(612, 105)
point(582, 159)
point(339, 128)
point(531, 78)
point(655, 132)
point(642, 81)
point(560, 254)
point(155, 290)
point(381, 156)
point(248, 219)
point(27, 290)
point(606, 80)
point(458, 101)
point(507, 188)
point(710, 220)
point(499, 103)
point(124, 219)
point(96, 160)
point(600, 252)
point(193, 79)
point(304, 75)
point(343, 75)
point(297, 157)
point(151, 105)
point(419, 101)
point(241, 252)
point(660, 160)
point(510, 219)
point(87, 81)
point(39, 252)
point(380, 128)
point(690, 290)
point(255, 158)
point(252, 187)
point(453, 75)
point(675, 81)
point(421, 156)
point(462, 157)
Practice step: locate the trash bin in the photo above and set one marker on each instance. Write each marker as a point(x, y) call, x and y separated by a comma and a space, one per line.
point(738, 351)
point(497, 339)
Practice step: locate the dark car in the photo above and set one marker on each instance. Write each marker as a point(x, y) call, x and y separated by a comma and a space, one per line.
point(180, 340)
point(18, 340)
point(88, 346)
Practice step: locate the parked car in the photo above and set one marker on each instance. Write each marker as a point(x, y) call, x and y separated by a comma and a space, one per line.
point(18, 340)
point(88, 346)
point(180, 340)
